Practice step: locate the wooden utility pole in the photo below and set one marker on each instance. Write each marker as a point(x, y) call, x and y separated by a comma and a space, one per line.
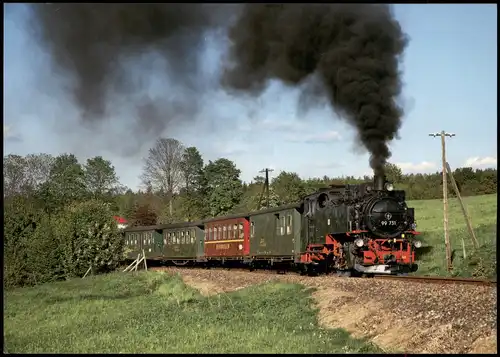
point(443, 136)
point(265, 187)
point(464, 210)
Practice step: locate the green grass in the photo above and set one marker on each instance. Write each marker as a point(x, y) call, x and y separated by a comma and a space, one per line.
point(432, 258)
point(149, 312)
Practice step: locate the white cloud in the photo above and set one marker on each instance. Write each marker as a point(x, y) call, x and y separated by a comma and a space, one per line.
point(9, 133)
point(229, 148)
point(481, 161)
point(318, 138)
point(423, 166)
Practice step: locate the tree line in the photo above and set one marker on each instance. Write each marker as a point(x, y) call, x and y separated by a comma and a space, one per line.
point(58, 211)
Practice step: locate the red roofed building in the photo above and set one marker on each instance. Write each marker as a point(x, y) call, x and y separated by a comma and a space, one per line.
point(121, 222)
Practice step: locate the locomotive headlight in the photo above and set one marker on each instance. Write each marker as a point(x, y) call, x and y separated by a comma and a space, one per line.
point(359, 242)
point(417, 244)
point(389, 186)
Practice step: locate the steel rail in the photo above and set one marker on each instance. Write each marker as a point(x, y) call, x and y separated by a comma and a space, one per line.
point(438, 279)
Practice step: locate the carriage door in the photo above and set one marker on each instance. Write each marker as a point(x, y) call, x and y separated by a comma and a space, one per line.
point(158, 242)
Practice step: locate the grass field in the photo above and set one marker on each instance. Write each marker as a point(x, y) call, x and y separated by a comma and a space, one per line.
point(150, 312)
point(483, 213)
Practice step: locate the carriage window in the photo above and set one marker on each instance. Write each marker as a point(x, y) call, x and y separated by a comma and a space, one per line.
point(230, 231)
point(282, 225)
point(242, 233)
point(235, 231)
point(219, 232)
point(289, 224)
point(224, 232)
point(183, 240)
point(209, 233)
point(252, 229)
point(278, 226)
point(205, 234)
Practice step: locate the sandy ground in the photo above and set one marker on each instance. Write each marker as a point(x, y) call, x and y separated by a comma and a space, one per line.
point(395, 315)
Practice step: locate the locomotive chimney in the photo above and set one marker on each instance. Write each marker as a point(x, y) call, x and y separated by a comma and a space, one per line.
point(378, 182)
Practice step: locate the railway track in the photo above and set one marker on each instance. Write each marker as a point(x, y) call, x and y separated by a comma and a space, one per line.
point(438, 280)
point(409, 278)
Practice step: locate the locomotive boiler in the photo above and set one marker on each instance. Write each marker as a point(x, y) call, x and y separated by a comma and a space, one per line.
point(365, 228)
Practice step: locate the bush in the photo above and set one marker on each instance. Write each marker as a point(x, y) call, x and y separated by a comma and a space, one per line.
point(88, 237)
point(20, 221)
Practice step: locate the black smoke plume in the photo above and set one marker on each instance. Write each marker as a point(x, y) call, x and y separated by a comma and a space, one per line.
point(352, 50)
point(91, 42)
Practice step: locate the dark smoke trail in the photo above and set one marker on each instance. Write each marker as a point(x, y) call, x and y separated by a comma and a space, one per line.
point(90, 42)
point(352, 49)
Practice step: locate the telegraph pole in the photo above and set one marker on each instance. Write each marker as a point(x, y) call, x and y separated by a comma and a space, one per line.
point(266, 186)
point(443, 136)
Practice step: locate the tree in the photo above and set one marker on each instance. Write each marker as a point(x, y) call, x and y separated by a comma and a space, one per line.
point(66, 183)
point(289, 187)
point(194, 180)
point(24, 175)
point(163, 167)
point(393, 173)
point(143, 215)
point(223, 186)
point(100, 177)
point(14, 176)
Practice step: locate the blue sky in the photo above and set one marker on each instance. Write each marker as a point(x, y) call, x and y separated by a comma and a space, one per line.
point(450, 76)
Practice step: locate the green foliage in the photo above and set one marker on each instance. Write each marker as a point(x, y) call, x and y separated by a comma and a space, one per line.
point(393, 173)
point(223, 186)
point(88, 236)
point(151, 312)
point(65, 184)
point(193, 194)
point(20, 221)
point(288, 187)
point(100, 178)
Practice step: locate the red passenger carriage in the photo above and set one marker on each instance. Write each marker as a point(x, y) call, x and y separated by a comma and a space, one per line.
point(227, 238)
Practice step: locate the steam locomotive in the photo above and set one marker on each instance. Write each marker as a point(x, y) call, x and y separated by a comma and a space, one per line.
point(349, 229)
